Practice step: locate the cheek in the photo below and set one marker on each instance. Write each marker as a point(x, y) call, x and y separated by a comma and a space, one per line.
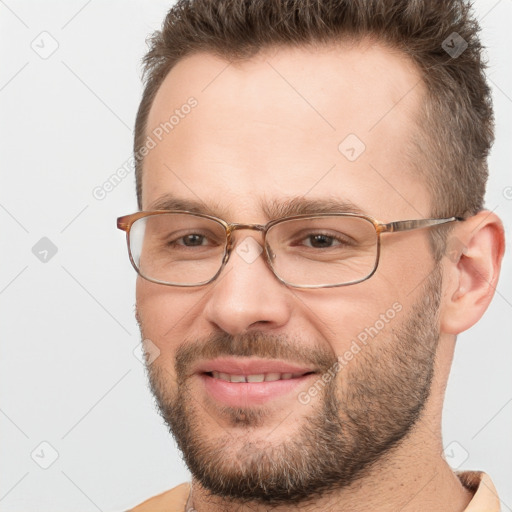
point(406, 259)
point(351, 316)
point(165, 316)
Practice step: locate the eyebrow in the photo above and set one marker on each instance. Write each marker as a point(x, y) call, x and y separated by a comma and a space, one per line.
point(272, 209)
point(278, 208)
point(171, 202)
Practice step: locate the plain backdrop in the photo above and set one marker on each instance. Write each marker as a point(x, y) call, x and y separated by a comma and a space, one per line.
point(74, 397)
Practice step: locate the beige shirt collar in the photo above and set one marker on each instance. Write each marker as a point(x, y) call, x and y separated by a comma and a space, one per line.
point(485, 498)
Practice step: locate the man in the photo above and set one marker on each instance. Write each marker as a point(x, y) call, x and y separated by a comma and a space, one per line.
point(311, 241)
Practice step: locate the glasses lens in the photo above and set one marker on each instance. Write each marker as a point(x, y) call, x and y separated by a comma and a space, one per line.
point(177, 248)
point(330, 250)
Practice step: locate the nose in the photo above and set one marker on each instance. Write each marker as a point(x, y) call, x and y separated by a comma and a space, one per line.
point(247, 295)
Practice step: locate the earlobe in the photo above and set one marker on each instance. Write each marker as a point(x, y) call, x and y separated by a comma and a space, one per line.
point(474, 253)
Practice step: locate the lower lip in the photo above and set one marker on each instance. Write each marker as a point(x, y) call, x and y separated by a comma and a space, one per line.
point(238, 394)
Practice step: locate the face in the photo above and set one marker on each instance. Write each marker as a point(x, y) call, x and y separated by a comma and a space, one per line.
point(267, 136)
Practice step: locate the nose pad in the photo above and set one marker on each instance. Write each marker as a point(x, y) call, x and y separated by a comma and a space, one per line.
point(270, 253)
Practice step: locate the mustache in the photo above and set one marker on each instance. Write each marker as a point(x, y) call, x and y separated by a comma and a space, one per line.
point(251, 344)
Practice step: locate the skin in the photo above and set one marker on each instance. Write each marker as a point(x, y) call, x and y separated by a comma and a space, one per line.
point(268, 129)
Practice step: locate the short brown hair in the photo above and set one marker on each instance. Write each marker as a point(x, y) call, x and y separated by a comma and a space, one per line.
point(456, 119)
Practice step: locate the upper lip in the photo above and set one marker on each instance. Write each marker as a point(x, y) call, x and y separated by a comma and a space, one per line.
point(250, 366)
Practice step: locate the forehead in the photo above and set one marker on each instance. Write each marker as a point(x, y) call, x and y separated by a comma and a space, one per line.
point(330, 122)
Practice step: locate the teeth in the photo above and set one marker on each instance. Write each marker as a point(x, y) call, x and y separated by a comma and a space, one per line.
point(256, 378)
point(260, 377)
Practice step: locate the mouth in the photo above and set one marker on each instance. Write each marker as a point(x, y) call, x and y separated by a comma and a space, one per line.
point(243, 382)
point(257, 377)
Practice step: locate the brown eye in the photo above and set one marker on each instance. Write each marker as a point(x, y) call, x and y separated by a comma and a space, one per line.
point(320, 241)
point(193, 240)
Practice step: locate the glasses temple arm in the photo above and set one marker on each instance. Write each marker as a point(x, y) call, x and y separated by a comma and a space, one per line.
point(407, 225)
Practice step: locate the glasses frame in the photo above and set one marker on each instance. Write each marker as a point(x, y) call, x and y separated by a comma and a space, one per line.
point(125, 223)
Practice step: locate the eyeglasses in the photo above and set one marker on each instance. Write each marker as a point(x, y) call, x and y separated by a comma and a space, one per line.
point(182, 248)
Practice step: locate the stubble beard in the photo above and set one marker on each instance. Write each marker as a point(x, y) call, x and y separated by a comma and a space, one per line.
point(358, 418)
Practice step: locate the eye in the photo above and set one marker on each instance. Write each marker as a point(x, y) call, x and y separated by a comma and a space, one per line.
point(192, 240)
point(323, 240)
point(320, 241)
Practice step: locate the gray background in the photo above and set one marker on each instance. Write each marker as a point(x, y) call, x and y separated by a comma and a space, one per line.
point(68, 373)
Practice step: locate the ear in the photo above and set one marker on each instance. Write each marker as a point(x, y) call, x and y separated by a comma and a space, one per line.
point(471, 269)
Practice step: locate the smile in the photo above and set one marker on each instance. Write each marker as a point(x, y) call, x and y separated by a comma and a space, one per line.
point(259, 377)
point(249, 381)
